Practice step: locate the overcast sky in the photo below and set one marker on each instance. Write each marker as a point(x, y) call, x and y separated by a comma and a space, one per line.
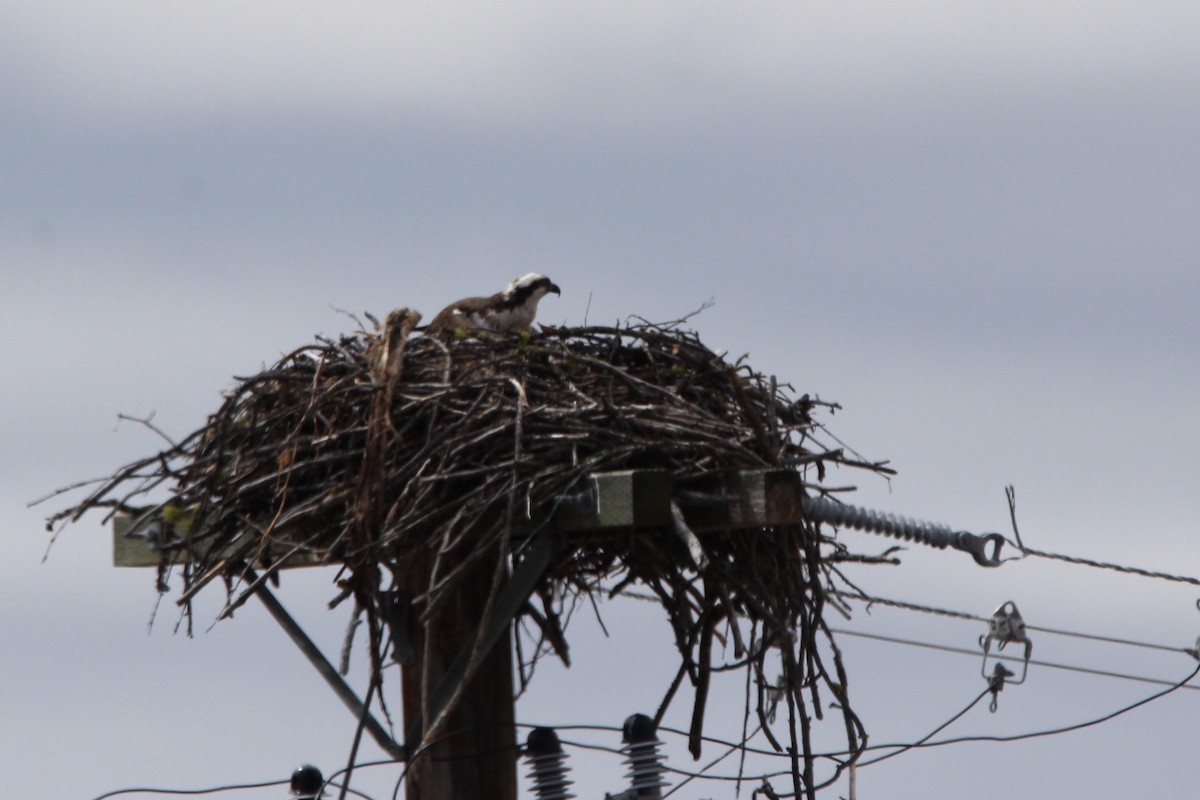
point(973, 225)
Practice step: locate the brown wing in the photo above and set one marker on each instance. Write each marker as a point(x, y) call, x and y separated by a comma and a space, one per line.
point(458, 315)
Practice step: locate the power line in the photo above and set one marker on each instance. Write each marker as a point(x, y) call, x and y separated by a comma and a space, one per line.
point(907, 606)
point(923, 742)
point(932, 733)
point(1016, 737)
point(943, 612)
point(231, 787)
point(1048, 732)
point(900, 748)
point(1033, 661)
point(1112, 640)
point(238, 787)
point(1011, 493)
point(1087, 562)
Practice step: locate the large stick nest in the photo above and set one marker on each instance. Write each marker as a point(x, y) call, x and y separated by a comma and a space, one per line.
point(387, 452)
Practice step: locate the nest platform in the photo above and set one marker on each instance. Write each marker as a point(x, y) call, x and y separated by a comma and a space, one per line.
point(407, 461)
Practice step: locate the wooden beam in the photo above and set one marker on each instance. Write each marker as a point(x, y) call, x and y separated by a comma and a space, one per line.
point(619, 500)
point(743, 499)
point(612, 501)
point(144, 538)
point(723, 501)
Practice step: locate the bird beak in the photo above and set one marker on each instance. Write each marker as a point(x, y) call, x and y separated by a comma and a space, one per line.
point(554, 288)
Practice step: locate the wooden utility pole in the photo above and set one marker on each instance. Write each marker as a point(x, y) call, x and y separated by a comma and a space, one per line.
point(473, 752)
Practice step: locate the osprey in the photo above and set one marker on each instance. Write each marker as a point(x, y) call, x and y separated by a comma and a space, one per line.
point(504, 312)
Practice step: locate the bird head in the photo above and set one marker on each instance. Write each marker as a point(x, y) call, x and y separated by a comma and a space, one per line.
point(532, 286)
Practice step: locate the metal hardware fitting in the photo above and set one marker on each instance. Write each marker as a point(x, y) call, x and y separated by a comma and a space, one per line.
point(985, 548)
point(1005, 625)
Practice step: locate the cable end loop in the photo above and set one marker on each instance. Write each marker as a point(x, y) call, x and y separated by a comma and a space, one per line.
point(985, 549)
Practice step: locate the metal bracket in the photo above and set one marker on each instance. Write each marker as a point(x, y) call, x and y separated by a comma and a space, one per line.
point(1005, 625)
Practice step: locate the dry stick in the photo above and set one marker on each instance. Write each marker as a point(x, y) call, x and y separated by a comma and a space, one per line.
point(273, 568)
point(358, 732)
point(348, 641)
point(1010, 492)
point(551, 632)
point(763, 717)
point(704, 671)
point(856, 734)
point(795, 704)
point(745, 717)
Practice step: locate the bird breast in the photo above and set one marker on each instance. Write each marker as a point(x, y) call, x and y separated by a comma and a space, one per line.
point(517, 318)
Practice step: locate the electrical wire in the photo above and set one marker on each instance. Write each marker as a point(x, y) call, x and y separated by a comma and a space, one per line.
point(899, 748)
point(733, 748)
point(1010, 493)
point(1034, 734)
point(925, 743)
point(345, 786)
point(690, 774)
point(944, 612)
point(231, 787)
point(1017, 737)
point(1032, 661)
point(411, 758)
point(1087, 562)
point(932, 733)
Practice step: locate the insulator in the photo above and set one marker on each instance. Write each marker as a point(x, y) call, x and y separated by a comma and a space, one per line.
point(821, 509)
point(307, 782)
point(643, 757)
point(547, 765)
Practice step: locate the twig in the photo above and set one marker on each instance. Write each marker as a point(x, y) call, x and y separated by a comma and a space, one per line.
point(147, 421)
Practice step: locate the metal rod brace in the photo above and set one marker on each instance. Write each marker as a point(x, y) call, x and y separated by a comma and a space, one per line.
point(318, 660)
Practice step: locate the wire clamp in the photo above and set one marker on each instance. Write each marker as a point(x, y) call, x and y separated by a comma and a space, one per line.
point(1006, 625)
point(1000, 674)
